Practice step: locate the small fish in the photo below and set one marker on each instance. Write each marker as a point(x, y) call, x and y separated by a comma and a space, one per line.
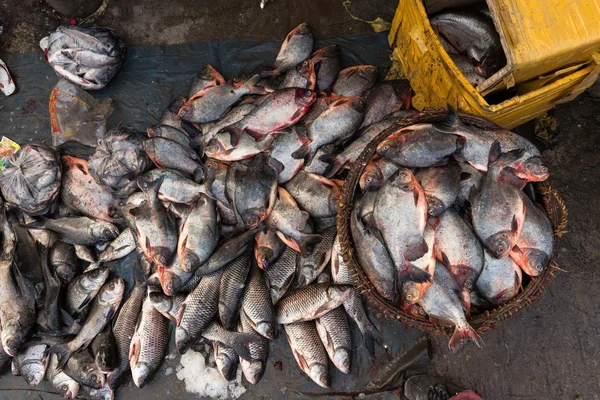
point(48, 317)
point(78, 230)
point(308, 351)
point(355, 81)
point(441, 186)
point(199, 235)
point(221, 147)
point(170, 115)
point(281, 274)
point(207, 77)
point(377, 171)
point(239, 342)
point(31, 363)
point(267, 248)
point(60, 381)
point(385, 98)
point(310, 302)
point(295, 48)
point(64, 261)
point(256, 304)
point(83, 289)
point(231, 289)
point(334, 331)
point(283, 146)
point(168, 306)
point(227, 251)
point(315, 194)
point(500, 279)
point(82, 367)
point(311, 266)
point(327, 65)
point(166, 153)
point(302, 76)
point(173, 278)
point(227, 361)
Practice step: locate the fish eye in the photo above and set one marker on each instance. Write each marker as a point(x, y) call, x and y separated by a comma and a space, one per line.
point(501, 249)
point(528, 166)
point(64, 388)
point(30, 378)
point(232, 91)
point(111, 285)
point(309, 93)
point(94, 378)
point(368, 180)
point(385, 148)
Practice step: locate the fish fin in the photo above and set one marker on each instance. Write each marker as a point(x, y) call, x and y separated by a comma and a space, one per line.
point(198, 175)
point(509, 175)
point(275, 164)
point(445, 260)
point(514, 226)
point(241, 343)
point(511, 156)
point(298, 114)
point(416, 197)
point(301, 361)
point(253, 87)
point(308, 243)
point(179, 314)
point(517, 249)
point(235, 135)
point(472, 194)
point(495, 152)
point(303, 152)
point(460, 145)
point(461, 334)
point(411, 273)
point(416, 248)
point(304, 217)
point(334, 165)
point(465, 176)
point(63, 353)
point(269, 74)
point(39, 223)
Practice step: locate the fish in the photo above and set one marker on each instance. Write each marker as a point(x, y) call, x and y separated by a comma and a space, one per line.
point(281, 274)
point(320, 104)
point(221, 147)
point(7, 84)
point(457, 247)
point(377, 171)
point(308, 351)
point(104, 350)
point(469, 178)
point(236, 114)
point(318, 166)
point(168, 306)
point(173, 277)
point(213, 102)
point(470, 71)
point(80, 192)
point(198, 310)
point(267, 248)
point(84, 253)
point(473, 35)
point(400, 214)
point(413, 291)
point(419, 146)
point(103, 308)
point(28, 258)
point(373, 257)
point(253, 189)
point(175, 186)
point(82, 367)
point(49, 317)
point(208, 76)
point(363, 137)
point(498, 209)
point(290, 223)
point(385, 98)
point(302, 76)
point(104, 393)
point(315, 194)
point(170, 115)
point(441, 186)
point(237, 341)
point(296, 48)
point(148, 344)
point(231, 289)
point(122, 246)
point(340, 274)
point(227, 361)
point(355, 81)
point(77, 230)
point(311, 266)
point(83, 289)
point(327, 66)
point(337, 124)
point(168, 132)
point(17, 315)
point(254, 368)
point(199, 235)
point(227, 251)
point(256, 304)
point(310, 302)
point(124, 327)
point(443, 301)
point(277, 111)
point(500, 279)
point(31, 363)
point(334, 331)
point(535, 245)
point(283, 146)
point(60, 381)
point(166, 153)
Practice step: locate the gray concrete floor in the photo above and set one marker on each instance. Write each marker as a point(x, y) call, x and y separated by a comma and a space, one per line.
point(549, 350)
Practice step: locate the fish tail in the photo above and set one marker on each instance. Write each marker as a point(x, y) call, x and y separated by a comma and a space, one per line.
point(241, 344)
point(303, 152)
point(63, 353)
point(198, 174)
point(371, 335)
point(308, 243)
point(252, 85)
point(462, 333)
point(39, 223)
point(269, 74)
point(334, 164)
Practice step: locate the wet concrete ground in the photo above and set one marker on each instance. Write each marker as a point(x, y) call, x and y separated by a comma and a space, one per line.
point(550, 350)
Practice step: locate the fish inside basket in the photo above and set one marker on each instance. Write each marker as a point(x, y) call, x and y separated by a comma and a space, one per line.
point(480, 318)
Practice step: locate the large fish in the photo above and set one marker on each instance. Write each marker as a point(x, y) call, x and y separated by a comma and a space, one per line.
point(211, 103)
point(355, 81)
point(535, 244)
point(291, 223)
point(311, 266)
point(385, 98)
point(500, 279)
point(282, 148)
point(441, 186)
point(231, 289)
point(60, 381)
point(337, 124)
point(199, 235)
point(82, 290)
point(166, 153)
point(310, 302)
point(327, 66)
point(302, 76)
point(315, 194)
point(149, 343)
point(308, 351)
point(256, 304)
point(81, 193)
point(78, 230)
point(31, 363)
point(275, 112)
point(442, 301)
point(498, 209)
point(295, 48)
point(83, 369)
point(281, 274)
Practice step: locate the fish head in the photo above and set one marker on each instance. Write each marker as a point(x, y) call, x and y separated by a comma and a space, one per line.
point(93, 377)
point(13, 335)
point(207, 73)
point(112, 292)
point(368, 72)
point(532, 170)
point(357, 103)
point(302, 29)
point(33, 373)
point(404, 180)
point(305, 97)
point(435, 207)
point(306, 274)
point(140, 373)
point(341, 359)
point(160, 301)
point(69, 389)
point(94, 278)
point(371, 178)
point(500, 243)
point(103, 231)
point(214, 147)
point(169, 281)
point(186, 112)
point(320, 375)
point(306, 68)
point(390, 146)
point(532, 261)
point(411, 293)
point(182, 339)
point(263, 256)
point(339, 292)
point(153, 130)
point(266, 329)
point(254, 370)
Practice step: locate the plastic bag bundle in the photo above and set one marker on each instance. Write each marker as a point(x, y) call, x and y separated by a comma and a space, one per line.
point(87, 57)
point(119, 160)
point(31, 179)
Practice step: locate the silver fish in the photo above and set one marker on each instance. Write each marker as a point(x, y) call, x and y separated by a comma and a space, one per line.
point(308, 351)
point(311, 266)
point(227, 361)
point(310, 302)
point(168, 306)
point(500, 279)
point(377, 171)
point(256, 304)
point(166, 153)
point(282, 148)
point(207, 77)
point(123, 245)
point(60, 381)
point(355, 81)
point(32, 363)
point(78, 230)
point(441, 186)
point(199, 235)
point(169, 132)
point(235, 115)
point(238, 341)
point(83, 289)
point(281, 274)
point(267, 248)
point(83, 369)
point(327, 63)
point(259, 352)
point(315, 194)
point(385, 98)
point(302, 76)
point(170, 117)
point(231, 289)
point(295, 48)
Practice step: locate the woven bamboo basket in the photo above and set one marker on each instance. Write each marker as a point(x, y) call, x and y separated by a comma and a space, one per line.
point(550, 199)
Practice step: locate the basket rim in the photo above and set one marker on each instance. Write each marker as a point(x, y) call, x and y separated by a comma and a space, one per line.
point(480, 322)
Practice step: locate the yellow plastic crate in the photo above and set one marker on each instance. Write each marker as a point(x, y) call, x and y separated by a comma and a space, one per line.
point(551, 48)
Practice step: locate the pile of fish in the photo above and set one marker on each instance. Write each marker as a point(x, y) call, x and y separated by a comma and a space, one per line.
point(229, 207)
point(442, 227)
point(471, 40)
